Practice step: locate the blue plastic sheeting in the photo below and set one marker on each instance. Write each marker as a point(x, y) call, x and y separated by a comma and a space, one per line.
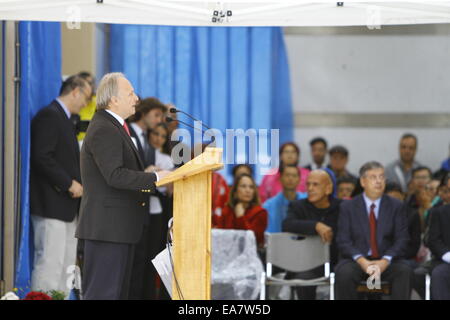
point(228, 77)
point(40, 60)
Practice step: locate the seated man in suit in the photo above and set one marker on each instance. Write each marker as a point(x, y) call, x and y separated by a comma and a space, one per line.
point(439, 244)
point(372, 238)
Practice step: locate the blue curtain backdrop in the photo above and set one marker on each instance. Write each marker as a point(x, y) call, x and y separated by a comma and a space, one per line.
point(40, 60)
point(230, 78)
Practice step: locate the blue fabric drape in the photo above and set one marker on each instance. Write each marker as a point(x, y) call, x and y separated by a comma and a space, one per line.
point(231, 78)
point(40, 60)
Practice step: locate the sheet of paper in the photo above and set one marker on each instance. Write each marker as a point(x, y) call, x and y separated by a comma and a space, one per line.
point(164, 268)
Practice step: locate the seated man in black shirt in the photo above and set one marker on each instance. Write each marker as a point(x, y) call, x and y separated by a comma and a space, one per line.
point(316, 215)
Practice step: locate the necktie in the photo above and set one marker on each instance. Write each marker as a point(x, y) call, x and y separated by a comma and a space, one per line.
point(145, 148)
point(125, 126)
point(144, 142)
point(373, 231)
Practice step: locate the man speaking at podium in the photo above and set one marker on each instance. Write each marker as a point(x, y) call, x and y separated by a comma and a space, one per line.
point(116, 189)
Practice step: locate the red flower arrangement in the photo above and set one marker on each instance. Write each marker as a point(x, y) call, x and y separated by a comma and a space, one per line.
point(35, 295)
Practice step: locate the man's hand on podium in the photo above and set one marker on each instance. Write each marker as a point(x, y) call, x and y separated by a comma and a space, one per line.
point(163, 173)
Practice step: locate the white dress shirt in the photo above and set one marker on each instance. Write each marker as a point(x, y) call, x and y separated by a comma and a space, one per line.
point(368, 202)
point(66, 110)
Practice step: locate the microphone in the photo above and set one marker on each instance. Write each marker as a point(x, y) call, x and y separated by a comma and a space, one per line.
point(169, 119)
point(175, 110)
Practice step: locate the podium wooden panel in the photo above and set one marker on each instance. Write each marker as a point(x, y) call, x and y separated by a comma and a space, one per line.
point(192, 225)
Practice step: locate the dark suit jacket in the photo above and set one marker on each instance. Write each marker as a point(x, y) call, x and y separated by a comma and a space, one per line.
point(54, 163)
point(439, 232)
point(115, 200)
point(414, 230)
point(353, 236)
point(147, 158)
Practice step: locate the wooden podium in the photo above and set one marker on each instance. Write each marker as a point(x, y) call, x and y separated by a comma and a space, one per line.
point(192, 225)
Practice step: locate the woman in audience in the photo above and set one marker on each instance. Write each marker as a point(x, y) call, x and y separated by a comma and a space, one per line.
point(160, 204)
point(243, 210)
point(271, 184)
point(159, 140)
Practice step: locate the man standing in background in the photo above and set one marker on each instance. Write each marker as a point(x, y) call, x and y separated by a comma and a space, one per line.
point(400, 171)
point(55, 185)
point(149, 113)
point(87, 112)
point(318, 153)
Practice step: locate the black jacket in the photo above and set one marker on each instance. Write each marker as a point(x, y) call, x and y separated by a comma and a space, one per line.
point(303, 216)
point(439, 232)
point(115, 201)
point(54, 163)
point(414, 230)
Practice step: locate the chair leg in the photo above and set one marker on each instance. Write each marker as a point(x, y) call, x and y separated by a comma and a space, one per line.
point(332, 286)
point(262, 293)
point(427, 287)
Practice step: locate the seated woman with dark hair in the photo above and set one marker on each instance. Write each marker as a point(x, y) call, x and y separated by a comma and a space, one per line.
point(243, 210)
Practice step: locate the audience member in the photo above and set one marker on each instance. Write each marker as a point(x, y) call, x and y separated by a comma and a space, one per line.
point(277, 206)
point(316, 215)
point(345, 187)
point(445, 167)
point(243, 210)
point(159, 140)
point(400, 171)
point(394, 190)
point(372, 237)
point(444, 189)
point(338, 162)
point(318, 153)
point(240, 169)
point(55, 185)
point(439, 244)
point(271, 185)
point(220, 194)
point(419, 198)
point(432, 190)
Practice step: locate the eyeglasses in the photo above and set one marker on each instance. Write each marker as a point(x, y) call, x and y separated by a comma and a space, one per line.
point(373, 177)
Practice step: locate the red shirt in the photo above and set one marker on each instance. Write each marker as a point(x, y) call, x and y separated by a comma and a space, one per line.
point(255, 219)
point(220, 193)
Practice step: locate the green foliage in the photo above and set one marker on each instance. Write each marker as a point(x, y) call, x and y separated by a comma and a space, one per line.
point(57, 295)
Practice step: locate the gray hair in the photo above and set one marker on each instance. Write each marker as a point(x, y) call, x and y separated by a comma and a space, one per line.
point(107, 89)
point(369, 166)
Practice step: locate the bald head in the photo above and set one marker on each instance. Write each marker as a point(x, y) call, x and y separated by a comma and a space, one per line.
point(319, 186)
point(321, 174)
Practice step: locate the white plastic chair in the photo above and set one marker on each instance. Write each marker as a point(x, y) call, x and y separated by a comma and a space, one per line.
point(296, 253)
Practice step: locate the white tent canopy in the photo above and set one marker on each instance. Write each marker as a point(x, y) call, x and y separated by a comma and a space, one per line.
point(229, 13)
